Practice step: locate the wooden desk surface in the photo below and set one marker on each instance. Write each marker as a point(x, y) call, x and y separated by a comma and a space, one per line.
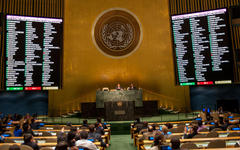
point(39, 144)
point(198, 139)
point(236, 148)
point(220, 132)
point(44, 144)
point(199, 142)
point(173, 122)
point(53, 130)
point(40, 137)
point(17, 122)
point(78, 125)
point(35, 137)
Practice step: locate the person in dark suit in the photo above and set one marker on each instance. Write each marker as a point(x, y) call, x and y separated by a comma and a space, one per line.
point(96, 136)
point(131, 87)
point(62, 146)
point(28, 140)
point(175, 143)
point(27, 129)
point(99, 120)
point(61, 136)
point(71, 136)
point(188, 134)
point(148, 134)
point(144, 127)
point(99, 128)
point(85, 124)
point(225, 124)
point(138, 125)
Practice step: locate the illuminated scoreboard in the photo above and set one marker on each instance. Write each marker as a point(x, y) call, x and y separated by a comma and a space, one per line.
point(33, 50)
point(202, 48)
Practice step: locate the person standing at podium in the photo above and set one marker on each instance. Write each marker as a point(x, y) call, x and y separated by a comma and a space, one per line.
point(118, 87)
point(131, 87)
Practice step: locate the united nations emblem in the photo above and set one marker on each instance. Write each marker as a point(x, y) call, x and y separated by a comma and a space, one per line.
point(117, 33)
point(119, 104)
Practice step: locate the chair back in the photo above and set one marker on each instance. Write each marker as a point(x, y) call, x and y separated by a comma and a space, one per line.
point(181, 127)
point(212, 134)
point(83, 127)
point(51, 140)
point(46, 148)
point(26, 147)
point(175, 136)
point(5, 147)
point(217, 144)
point(46, 134)
point(217, 129)
point(175, 130)
point(203, 130)
point(199, 136)
point(143, 131)
point(67, 127)
point(43, 128)
point(138, 127)
point(57, 127)
point(189, 146)
point(9, 141)
point(232, 134)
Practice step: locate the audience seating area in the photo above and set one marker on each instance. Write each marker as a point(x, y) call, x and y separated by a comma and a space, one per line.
point(219, 131)
point(216, 132)
point(48, 137)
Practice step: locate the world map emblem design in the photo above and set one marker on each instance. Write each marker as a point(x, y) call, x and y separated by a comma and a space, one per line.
point(117, 33)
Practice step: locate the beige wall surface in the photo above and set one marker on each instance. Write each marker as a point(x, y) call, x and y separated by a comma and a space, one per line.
point(85, 68)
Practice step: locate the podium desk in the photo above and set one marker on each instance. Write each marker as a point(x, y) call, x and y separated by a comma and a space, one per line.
point(119, 110)
point(119, 95)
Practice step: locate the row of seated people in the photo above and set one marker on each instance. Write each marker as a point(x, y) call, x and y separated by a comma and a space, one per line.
point(27, 127)
point(82, 143)
point(189, 130)
point(225, 124)
point(175, 143)
point(27, 124)
point(22, 124)
point(75, 137)
point(94, 134)
point(207, 114)
point(85, 124)
point(159, 143)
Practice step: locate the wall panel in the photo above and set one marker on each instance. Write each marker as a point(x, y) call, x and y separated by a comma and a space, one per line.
point(86, 69)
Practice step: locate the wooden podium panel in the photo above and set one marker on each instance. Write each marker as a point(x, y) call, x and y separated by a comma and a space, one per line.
point(119, 95)
point(119, 110)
